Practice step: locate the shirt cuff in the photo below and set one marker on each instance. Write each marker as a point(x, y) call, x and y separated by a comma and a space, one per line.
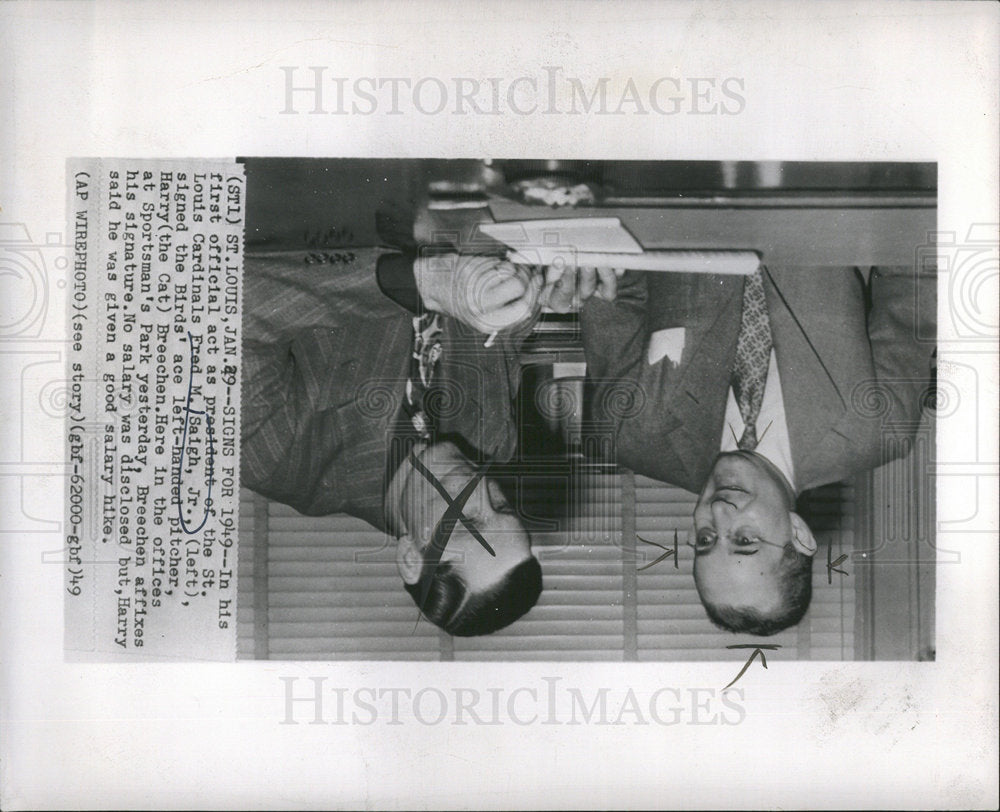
point(396, 280)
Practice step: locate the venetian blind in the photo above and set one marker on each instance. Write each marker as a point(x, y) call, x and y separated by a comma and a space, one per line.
point(331, 590)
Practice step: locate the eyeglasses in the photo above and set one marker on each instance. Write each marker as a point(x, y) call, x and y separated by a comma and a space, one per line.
point(455, 507)
point(693, 543)
point(451, 518)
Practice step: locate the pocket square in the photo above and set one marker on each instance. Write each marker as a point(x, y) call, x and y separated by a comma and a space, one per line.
point(667, 343)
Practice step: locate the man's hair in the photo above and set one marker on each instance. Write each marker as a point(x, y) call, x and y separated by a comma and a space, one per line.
point(450, 606)
point(795, 587)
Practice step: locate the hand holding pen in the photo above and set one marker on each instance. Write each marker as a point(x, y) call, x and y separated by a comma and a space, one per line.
point(491, 294)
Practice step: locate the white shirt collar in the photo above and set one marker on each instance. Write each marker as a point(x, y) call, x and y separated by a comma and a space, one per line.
point(773, 441)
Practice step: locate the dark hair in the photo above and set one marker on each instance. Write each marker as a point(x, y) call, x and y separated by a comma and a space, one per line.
point(451, 606)
point(795, 586)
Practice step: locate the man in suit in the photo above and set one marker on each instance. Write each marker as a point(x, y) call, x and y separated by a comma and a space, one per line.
point(750, 390)
point(367, 390)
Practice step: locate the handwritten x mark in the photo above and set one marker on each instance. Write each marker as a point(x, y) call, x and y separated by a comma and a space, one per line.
point(737, 439)
point(757, 649)
point(452, 516)
point(459, 501)
point(669, 552)
point(831, 566)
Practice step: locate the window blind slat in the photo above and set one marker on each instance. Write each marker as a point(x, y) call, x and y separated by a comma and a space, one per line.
point(347, 647)
point(533, 655)
point(245, 617)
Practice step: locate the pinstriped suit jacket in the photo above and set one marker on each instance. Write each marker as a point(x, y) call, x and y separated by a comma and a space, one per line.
point(854, 357)
point(325, 363)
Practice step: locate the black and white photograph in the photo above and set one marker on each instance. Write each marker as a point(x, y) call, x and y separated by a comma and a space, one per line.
point(425, 404)
point(588, 410)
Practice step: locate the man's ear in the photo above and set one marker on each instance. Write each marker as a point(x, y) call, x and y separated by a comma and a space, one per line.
point(802, 537)
point(409, 561)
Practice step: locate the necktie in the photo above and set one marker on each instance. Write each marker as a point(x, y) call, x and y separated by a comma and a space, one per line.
point(753, 353)
point(423, 366)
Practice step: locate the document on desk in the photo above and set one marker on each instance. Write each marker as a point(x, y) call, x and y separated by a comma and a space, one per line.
point(603, 242)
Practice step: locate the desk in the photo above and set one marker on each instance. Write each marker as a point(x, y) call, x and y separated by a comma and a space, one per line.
point(843, 229)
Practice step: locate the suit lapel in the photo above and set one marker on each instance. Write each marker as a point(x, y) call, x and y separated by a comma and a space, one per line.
point(692, 396)
point(820, 340)
point(700, 396)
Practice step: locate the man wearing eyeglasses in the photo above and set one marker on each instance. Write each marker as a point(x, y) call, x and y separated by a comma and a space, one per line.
point(366, 401)
point(380, 384)
point(749, 391)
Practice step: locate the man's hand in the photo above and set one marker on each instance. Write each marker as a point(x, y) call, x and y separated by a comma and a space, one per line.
point(566, 288)
point(486, 293)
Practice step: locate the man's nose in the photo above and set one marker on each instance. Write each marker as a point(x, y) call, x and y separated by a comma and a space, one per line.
point(722, 514)
point(702, 515)
point(495, 494)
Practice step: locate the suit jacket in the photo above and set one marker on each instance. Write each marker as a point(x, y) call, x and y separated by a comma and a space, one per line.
point(325, 364)
point(854, 355)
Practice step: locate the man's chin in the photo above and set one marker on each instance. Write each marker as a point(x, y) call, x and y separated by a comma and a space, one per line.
point(735, 468)
point(743, 469)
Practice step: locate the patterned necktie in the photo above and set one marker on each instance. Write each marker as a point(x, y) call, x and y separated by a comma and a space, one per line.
point(423, 366)
point(753, 353)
